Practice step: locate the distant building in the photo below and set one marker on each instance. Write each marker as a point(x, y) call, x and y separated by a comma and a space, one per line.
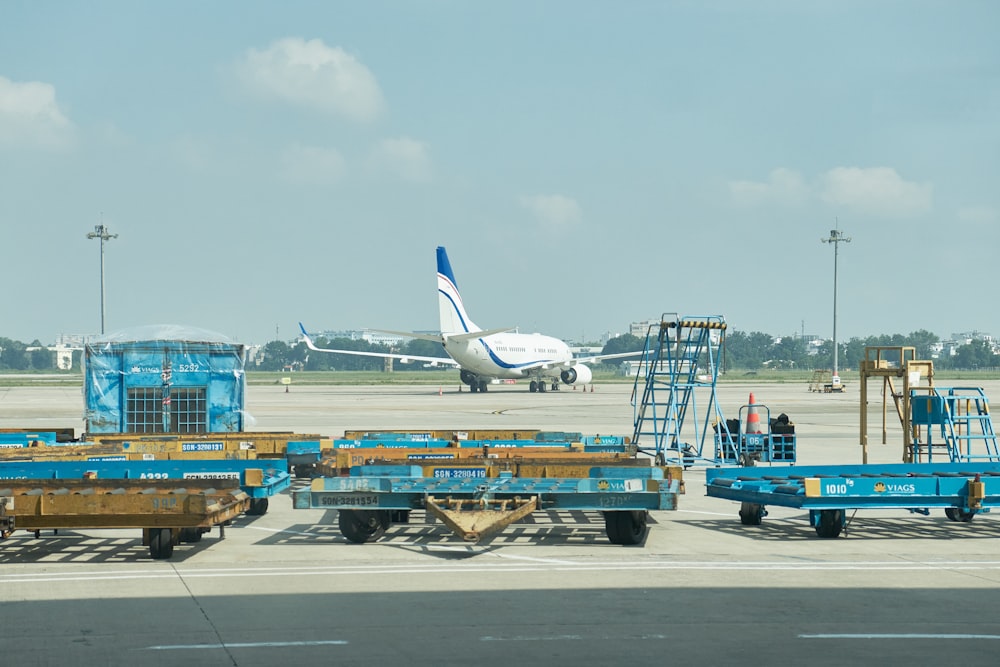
point(641, 328)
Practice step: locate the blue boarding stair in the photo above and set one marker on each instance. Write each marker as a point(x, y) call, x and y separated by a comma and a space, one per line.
point(960, 418)
point(676, 379)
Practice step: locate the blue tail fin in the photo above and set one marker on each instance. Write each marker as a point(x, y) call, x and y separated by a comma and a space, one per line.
point(453, 318)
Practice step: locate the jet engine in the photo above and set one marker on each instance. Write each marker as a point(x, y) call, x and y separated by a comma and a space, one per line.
point(468, 377)
point(579, 373)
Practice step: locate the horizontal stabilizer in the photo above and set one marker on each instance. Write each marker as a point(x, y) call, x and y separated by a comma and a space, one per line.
point(476, 335)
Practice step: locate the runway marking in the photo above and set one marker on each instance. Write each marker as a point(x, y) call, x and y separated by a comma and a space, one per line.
point(551, 638)
point(227, 645)
point(541, 565)
point(290, 532)
point(900, 636)
point(533, 559)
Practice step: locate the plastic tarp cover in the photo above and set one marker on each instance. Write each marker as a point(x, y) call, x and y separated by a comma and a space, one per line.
point(163, 358)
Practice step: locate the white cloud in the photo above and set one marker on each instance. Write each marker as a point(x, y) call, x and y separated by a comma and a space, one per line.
point(312, 164)
point(404, 157)
point(29, 115)
point(877, 191)
point(784, 186)
point(312, 74)
point(553, 210)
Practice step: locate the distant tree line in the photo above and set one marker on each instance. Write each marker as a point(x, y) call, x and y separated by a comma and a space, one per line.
point(278, 355)
point(757, 350)
point(742, 351)
point(18, 356)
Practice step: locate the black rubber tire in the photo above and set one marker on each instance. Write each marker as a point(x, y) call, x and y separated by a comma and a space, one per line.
point(258, 507)
point(161, 543)
point(831, 522)
point(625, 527)
point(190, 535)
point(957, 514)
point(360, 526)
point(533, 387)
point(483, 386)
point(751, 514)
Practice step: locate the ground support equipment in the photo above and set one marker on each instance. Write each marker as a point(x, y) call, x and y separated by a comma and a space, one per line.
point(114, 452)
point(303, 456)
point(168, 512)
point(774, 443)
point(259, 480)
point(53, 436)
point(301, 451)
point(444, 434)
point(960, 419)
point(265, 444)
point(822, 381)
point(481, 438)
point(534, 462)
point(827, 492)
point(893, 364)
point(373, 497)
point(676, 376)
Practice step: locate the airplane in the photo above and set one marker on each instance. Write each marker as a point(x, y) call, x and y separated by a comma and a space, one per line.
point(484, 355)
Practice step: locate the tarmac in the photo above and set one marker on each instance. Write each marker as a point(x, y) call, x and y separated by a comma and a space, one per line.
point(898, 588)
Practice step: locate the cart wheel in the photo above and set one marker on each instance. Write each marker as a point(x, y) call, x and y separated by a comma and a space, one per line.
point(161, 543)
point(958, 514)
point(190, 535)
point(360, 526)
point(625, 526)
point(751, 514)
point(258, 507)
point(831, 522)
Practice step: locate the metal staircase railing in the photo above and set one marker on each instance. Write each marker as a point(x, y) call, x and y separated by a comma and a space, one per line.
point(961, 419)
point(675, 383)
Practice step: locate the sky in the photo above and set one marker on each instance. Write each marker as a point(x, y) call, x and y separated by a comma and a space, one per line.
point(586, 165)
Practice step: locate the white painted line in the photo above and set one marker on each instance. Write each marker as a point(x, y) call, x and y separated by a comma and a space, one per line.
point(900, 636)
point(532, 559)
point(571, 638)
point(534, 565)
point(290, 532)
point(199, 647)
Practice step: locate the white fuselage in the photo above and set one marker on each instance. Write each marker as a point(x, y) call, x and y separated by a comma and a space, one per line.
point(507, 355)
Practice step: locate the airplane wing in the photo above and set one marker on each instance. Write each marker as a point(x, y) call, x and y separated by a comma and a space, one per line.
point(403, 358)
point(569, 363)
point(598, 358)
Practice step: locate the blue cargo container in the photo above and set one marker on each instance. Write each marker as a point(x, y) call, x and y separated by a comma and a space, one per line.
point(164, 379)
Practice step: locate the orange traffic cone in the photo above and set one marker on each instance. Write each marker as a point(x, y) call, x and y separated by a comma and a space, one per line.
point(753, 417)
point(440, 391)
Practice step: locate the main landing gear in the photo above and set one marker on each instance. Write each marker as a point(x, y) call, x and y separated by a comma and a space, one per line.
point(539, 386)
point(475, 383)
